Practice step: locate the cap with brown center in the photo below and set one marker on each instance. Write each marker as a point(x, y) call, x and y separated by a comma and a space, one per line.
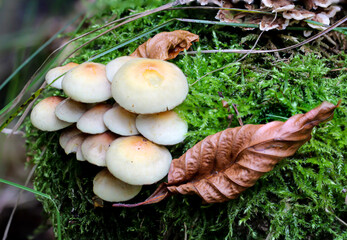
point(92, 121)
point(43, 115)
point(94, 147)
point(113, 66)
point(165, 128)
point(120, 121)
point(111, 189)
point(148, 86)
point(136, 160)
point(87, 83)
point(54, 75)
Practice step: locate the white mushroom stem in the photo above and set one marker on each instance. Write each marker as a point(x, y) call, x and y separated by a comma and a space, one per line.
point(109, 188)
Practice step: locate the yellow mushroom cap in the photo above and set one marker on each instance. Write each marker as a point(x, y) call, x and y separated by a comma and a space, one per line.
point(94, 147)
point(120, 121)
point(87, 83)
point(111, 189)
point(165, 128)
point(138, 161)
point(113, 66)
point(55, 74)
point(43, 115)
point(148, 86)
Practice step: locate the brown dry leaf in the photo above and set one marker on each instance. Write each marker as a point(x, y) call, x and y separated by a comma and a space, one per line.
point(225, 164)
point(166, 45)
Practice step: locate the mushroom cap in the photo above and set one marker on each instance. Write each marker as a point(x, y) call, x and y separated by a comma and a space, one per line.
point(92, 121)
point(165, 128)
point(121, 121)
point(55, 74)
point(74, 146)
point(113, 66)
point(87, 83)
point(70, 110)
point(136, 160)
point(66, 135)
point(322, 18)
point(94, 148)
point(148, 86)
point(111, 189)
point(43, 115)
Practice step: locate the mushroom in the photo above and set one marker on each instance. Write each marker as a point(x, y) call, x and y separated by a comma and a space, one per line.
point(136, 160)
point(74, 146)
point(111, 189)
point(43, 116)
point(165, 128)
point(92, 121)
point(66, 135)
point(324, 3)
point(55, 77)
point(70, 110)
point(94, 147)
point(120, 121)
point(321, 18)
point(87, 83)
point(278, 5)
point(149, 86)
point(298, 14)
point(113, 66)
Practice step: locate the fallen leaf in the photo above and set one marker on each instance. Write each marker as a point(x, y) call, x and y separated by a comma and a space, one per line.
point(225, 164)
point(166, 45)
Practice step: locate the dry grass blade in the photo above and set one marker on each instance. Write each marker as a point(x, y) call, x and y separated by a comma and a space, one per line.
point(146, 13)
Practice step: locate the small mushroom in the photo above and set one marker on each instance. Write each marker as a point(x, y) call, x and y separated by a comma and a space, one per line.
point(113, 66)
point(111, 189)
point(136, 160)
point(87, 83)
point(70, 110)
point(121, 121)
point(148, 86)
point(298, 14)
point(165, 128)
point(43, 115)
point(279, 5)
point(324, 3)
point(94, 147)
point(92, 121)
point(54, 75)
point(66, 135)
point(74, 146)
point(321, 18)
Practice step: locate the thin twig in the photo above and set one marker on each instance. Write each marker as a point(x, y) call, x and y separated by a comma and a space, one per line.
point(237, 114)
point(338, 219)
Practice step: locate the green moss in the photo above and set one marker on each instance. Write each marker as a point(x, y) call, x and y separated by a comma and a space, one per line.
point(299, 199)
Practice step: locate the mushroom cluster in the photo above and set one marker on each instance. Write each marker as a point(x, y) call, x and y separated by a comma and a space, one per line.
point(289, 12)
point(127, 137)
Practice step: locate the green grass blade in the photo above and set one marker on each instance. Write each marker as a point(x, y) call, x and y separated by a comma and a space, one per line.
point(49, 41)
point(39, 194)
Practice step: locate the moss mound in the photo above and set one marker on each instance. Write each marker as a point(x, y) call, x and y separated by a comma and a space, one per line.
point(302, 198)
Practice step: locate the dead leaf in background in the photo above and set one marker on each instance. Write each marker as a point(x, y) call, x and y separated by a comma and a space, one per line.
point(225, 164)
point(166, 45)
